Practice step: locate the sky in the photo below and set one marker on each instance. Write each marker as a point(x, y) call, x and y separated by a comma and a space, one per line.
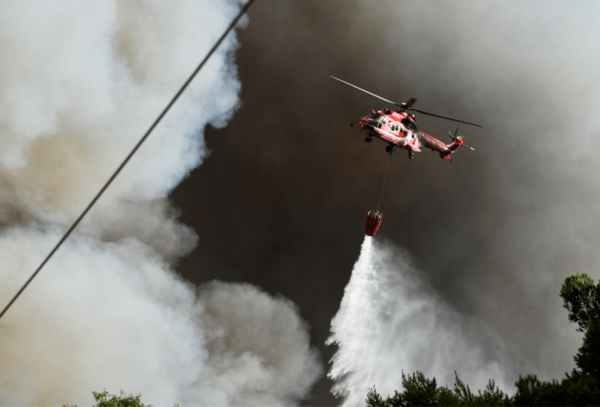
point(228, 265)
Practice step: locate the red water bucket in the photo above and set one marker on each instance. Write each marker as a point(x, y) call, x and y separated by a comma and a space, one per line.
point(373, 222)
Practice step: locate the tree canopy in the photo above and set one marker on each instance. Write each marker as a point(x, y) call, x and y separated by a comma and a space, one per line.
point(103, 399)
point(110, 400)
point(582, 299)
point(579, 388)
point(421, 391)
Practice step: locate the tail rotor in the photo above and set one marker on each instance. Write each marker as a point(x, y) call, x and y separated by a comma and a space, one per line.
point(455, 137)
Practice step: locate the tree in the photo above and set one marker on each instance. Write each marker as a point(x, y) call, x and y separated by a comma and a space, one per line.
point(588, 356)
point(104, 399)
point(533, 392)
point(374, 399)
point(421, 391)
point(576, 389)
point(581, 387)
point(491, 396)
point(582, 299)
point(110, 400)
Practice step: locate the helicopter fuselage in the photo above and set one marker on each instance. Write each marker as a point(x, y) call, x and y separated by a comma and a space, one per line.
point(398, 128)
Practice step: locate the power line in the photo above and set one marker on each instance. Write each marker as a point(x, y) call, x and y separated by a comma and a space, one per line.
point(185, 85)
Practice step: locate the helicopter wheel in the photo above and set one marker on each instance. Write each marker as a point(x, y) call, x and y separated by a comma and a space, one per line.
point(368, 139)
point(411, 154)
point(389, 149)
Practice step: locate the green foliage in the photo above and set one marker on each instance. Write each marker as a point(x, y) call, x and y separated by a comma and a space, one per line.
point(491, 396)
point(110, 400)
point(447, 397)
point(582, 299)
point(462, 391)
point(421, 391)
point(588, 356)
point(374, 399)
point(532, 392)
point(575, 390)
point(580, 388)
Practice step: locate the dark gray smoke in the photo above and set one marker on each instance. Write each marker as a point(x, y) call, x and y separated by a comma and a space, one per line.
point(495, 231)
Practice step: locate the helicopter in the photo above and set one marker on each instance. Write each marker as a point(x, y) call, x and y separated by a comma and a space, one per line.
point(398, 129)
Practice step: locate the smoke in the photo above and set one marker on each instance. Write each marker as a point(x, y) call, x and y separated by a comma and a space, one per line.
point(404, 325)
point(270, 355)
point(496, 231)
point(497, 234)
point(79, 84)
point(113, 315)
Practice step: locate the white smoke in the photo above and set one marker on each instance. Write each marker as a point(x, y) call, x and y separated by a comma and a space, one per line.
point(79, 84)
point(263, 363)
point(390, 320)
point(113, 315)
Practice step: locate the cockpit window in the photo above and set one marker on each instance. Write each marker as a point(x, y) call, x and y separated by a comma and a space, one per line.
point(409, 124)
point(374, 116)
point(376, 119)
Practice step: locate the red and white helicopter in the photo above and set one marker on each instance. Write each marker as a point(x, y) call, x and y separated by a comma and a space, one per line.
point(398, 128)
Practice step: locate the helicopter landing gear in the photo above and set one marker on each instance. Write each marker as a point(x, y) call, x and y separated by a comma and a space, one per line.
point(411, 154)
point(389, 149)
point(368, 139)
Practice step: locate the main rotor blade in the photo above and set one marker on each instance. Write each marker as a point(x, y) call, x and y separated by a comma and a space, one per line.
point(372, 94)
point(444, 117)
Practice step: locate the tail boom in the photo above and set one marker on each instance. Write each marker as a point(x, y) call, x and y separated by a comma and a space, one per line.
point(445, 150)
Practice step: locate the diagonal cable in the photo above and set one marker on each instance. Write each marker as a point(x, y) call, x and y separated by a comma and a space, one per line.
point(137, 146)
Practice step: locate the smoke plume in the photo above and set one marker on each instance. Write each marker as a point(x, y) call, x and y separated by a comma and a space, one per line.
point(79, 84)
point(495, 232)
